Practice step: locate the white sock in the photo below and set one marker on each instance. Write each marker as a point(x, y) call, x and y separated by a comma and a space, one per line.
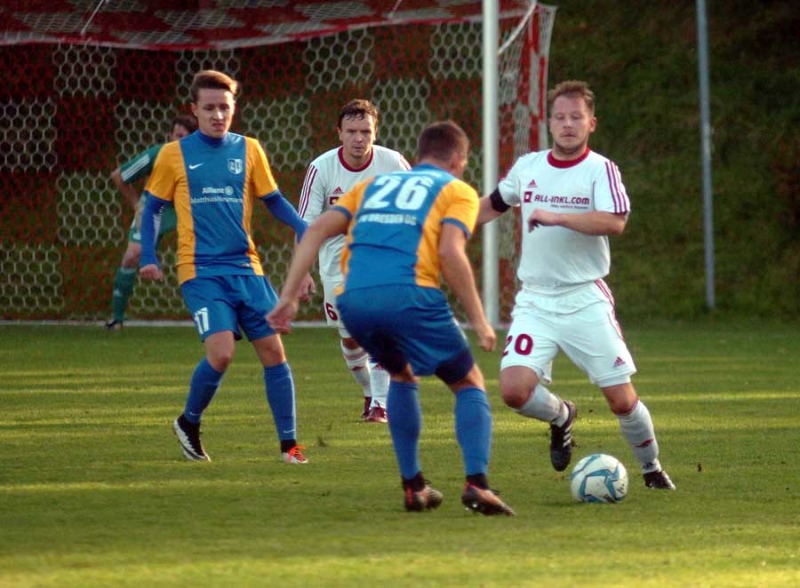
point(637, 429)
point(357, 362)
point(545, 406)
point(379, 380)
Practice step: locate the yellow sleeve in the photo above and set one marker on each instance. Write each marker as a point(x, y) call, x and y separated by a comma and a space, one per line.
point(352, 200)
point(462, 204)
point(261, 178)
point(168, 167)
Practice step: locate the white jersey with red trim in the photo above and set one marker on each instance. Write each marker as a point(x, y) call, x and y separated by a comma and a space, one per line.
point(557, 260)
point(327, 179)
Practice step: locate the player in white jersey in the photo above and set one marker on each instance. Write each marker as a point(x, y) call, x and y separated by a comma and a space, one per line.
point(328, 177)
point(571, 199)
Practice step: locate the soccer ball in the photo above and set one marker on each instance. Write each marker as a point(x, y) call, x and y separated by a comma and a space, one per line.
point(599, 478)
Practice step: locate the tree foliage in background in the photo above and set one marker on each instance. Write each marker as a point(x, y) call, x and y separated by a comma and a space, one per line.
point(642, 63)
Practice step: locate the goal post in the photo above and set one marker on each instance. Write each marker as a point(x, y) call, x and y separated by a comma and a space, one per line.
point(527, 62)
point(86, 92)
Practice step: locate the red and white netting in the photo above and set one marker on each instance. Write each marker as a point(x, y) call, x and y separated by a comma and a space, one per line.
point(89, 83)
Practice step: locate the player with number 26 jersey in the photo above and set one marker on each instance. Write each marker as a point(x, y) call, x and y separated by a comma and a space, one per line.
point(328, 178)
point(398, 218)
point(405, 231)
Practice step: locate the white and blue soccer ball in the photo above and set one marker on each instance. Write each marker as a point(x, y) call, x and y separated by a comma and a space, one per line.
point(599, 478)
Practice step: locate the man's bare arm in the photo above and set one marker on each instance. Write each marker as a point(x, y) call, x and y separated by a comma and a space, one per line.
point(457, 271)
point(127, 190)
point(589, 223)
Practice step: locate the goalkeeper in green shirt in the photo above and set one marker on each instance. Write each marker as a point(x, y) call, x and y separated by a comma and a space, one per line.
point(124, 177)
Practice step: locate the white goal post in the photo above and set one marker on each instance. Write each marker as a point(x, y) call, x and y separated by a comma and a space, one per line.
point(492, 58)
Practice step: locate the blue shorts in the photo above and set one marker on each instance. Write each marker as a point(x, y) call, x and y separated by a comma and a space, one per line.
point(400, 325)
point(225, 303)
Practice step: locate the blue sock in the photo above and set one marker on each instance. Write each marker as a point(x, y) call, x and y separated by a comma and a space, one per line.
point(405, 424)
point(473, 422)
point(204, 384)
point(280, 396)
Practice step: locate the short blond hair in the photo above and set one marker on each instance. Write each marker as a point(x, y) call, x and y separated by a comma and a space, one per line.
point(210, 79)
point(572, 89)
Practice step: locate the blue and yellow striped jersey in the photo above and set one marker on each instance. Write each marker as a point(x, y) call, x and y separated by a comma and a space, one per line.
point(395, 223)
point(213, 184)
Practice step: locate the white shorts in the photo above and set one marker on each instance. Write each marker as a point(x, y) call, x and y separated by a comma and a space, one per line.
point(588, 333)
point(329, 286)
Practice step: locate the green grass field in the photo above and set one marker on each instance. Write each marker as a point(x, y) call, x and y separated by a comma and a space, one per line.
point(94, 490)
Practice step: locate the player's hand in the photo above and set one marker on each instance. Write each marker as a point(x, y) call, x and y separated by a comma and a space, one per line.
point(487, 338)
point(281, 316)
point(151, 272)
point(307, 288)
point(541, 218)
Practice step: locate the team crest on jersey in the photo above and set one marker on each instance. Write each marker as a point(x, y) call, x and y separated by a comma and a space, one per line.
point(235, 166)
point(335, 195)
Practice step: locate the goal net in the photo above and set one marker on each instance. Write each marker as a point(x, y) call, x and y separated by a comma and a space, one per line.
point(90, 84)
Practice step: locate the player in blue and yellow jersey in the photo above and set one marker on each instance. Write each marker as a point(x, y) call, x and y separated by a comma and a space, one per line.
point(125, 178)
point(404, 231)
point(215, 178)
